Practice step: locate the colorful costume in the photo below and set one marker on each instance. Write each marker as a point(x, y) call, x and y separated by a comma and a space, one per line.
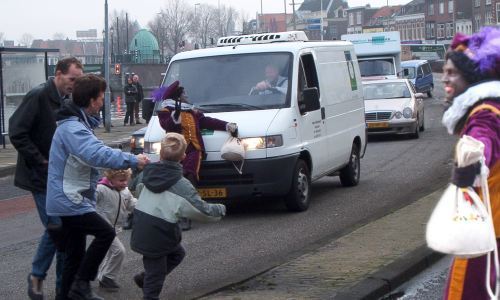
point(189, 124)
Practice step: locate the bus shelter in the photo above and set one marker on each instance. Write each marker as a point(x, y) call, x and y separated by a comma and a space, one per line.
point(21, 69)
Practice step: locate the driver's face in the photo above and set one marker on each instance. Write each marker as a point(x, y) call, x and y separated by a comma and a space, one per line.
point(271, 73)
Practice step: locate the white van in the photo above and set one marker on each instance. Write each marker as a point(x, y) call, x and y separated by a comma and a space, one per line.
point(314, 127)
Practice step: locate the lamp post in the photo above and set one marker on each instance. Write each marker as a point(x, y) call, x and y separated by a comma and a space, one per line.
point(112, 48)
point(321, 19)
point(118, 40)
point(107, 102)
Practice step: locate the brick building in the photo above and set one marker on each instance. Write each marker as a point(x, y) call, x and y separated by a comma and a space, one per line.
point(358, 17)
point(441, 17)
point(484, 13)
point(410, 22)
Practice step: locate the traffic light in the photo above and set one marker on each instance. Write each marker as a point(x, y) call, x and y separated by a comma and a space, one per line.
point(118, 69)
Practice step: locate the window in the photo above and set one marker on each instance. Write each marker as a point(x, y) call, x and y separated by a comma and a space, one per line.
point(431, 9)
point(440, 30)
point(477, 3)
point(430, 30)
point(351, 19)
point(488, 2)
point(441, 7)
point(477, 22)
point(498, 12)
point(358, 17)
point(489, 18)
point(449, 30)
point(450, 6)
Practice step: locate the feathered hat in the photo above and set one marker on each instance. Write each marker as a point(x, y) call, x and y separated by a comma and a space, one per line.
point(172, 91)
point(477, 56)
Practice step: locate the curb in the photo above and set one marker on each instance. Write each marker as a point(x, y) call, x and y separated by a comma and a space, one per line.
point(388, 278)
point(10, 170)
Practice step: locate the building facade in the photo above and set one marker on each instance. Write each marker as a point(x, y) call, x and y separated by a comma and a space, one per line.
point(441, 17)
point(485, 13)
point(359, 16)
point(410, 22)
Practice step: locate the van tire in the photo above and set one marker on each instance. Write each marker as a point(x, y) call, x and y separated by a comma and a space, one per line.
point(349, 175)
point(429, 93)
point(298, 197)
point(422, 127)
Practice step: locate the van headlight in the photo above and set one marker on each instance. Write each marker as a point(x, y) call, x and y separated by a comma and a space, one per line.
point(407, 112)
point(136, 142)
point(153, 148)
point(262, 142)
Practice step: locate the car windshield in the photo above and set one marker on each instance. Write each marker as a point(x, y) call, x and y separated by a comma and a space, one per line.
point(228, 82)
point(411, 72)
point(386, 90)
point(376, 67)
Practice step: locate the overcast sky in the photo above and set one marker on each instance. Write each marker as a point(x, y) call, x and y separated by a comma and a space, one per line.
point(43, 18)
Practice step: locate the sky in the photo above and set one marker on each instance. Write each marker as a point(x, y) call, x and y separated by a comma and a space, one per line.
point(43, 18)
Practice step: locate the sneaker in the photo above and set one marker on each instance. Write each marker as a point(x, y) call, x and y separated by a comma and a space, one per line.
point(35, 291)
point(138, 122)
point(108, 284)
point(80, 290)
point(139, 279)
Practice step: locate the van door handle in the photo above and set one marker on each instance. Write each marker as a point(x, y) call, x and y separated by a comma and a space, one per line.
point(323, 113)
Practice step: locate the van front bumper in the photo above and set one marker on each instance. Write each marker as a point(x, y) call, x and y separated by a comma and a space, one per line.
point(260, 177)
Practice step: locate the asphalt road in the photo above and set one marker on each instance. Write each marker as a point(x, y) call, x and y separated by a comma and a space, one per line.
point(259, 234)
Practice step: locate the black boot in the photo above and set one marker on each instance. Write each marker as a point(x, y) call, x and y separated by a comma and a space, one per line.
point(80, 290)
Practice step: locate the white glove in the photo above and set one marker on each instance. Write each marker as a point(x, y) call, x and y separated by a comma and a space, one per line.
point(231, 127)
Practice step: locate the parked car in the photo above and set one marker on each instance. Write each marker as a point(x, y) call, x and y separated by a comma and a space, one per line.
point(392, 106)
point(419, 72)
point(137, 141)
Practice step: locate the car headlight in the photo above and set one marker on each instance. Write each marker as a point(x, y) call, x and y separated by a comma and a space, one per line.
point(407, 112)
point(398, 115)
point(262, 142)
point(136, 142)
point(152, 147)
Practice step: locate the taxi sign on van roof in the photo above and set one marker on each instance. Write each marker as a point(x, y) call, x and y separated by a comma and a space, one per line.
point(261, 38)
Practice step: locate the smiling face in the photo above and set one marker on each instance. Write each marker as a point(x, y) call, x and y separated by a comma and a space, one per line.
point(96, 104)
point(453, 80)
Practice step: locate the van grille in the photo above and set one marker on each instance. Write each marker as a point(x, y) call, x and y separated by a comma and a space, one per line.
point(223, 173)
point(378, 116)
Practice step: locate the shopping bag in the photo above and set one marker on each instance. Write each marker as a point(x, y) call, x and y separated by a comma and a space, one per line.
point(233, 150)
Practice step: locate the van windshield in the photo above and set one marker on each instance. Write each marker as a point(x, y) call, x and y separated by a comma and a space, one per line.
point(234, 82)
point(376, 67)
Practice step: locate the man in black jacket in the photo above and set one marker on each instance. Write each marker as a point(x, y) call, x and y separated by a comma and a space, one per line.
point(31, 129)
point(139, 98)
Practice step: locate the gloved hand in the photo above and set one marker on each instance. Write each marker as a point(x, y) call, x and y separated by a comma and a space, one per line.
point(232, 128)
point(177, 111)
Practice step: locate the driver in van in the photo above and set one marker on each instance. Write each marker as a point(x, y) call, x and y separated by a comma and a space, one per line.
point(273, 84)
point(178, 115)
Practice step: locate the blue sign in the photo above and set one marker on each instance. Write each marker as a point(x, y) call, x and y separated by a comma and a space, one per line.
point(313, 21)
point(314, 27)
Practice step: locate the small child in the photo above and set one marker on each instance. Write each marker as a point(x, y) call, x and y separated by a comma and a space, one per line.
point(165, 196)
point(114, 202)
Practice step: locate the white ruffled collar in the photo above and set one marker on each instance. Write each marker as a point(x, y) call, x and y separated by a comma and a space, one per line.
point(462, 103)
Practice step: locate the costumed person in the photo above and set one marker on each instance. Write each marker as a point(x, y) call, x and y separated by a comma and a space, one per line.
point(178, 115)
point(471, 77)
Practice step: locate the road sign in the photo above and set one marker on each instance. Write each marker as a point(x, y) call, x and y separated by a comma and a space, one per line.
point(313, 21)
point(314, 27)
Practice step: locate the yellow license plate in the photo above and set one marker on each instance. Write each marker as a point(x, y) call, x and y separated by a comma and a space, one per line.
point(213, 193)
point(378, 125)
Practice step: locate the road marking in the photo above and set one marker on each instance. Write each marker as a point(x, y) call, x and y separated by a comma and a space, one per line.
point(15, 206)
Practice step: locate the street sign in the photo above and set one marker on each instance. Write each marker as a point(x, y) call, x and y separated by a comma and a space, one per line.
point(314, 27)
point(313, 21)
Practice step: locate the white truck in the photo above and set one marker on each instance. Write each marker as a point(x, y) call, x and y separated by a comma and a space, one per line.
point(379, 53)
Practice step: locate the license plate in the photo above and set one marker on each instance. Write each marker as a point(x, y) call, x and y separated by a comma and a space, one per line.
point(213, 193)
point(378, 125)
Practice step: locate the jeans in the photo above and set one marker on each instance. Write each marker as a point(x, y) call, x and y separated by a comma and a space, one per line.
point(156, 269)
point(46, 248)
point(80, 263)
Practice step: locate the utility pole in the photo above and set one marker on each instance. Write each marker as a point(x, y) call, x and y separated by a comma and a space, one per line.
point(107, 102)
point(118, 40)
point(220, 25)
point(126, 21)
point(321, 19)
point(284, 5)
point(293, 16)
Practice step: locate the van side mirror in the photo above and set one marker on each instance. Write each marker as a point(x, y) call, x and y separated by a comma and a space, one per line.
point(405, 72)
point(419, 76)
point(309, 100)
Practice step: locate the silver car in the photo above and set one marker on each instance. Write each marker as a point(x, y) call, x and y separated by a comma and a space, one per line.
point(392, 106)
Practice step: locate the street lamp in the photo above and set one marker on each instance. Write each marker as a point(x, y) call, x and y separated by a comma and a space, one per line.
point(107, 101)
point(112, 50)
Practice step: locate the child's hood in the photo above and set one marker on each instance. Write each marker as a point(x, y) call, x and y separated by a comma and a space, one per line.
point(160, 176)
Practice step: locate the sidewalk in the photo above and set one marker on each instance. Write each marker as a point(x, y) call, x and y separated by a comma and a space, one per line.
point(119, 136)
point(364, 264)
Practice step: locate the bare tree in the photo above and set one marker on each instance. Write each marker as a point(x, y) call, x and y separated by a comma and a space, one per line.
point(26, 40)
point(177, 18)
point(206, 25)
point(59, 36)
point(118, 20)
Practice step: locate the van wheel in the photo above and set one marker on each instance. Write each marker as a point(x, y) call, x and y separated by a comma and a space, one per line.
point(298, 196)
point(349, 175)
point(429, 93)
point(422, 127)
